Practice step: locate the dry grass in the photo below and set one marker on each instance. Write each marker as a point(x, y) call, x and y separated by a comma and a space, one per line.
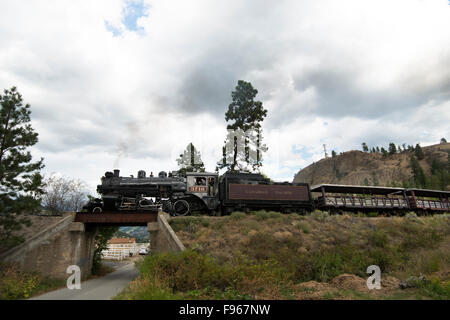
point(319, 248)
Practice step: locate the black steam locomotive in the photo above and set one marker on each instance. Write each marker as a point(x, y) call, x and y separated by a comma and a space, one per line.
point(197, 191)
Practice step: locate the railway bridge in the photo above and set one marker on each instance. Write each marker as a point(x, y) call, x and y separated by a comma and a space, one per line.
point(70, 241)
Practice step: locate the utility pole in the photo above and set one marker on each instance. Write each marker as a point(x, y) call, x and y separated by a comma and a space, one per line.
point(325, 150)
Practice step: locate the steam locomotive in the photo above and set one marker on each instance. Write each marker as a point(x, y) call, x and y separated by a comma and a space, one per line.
point(203, 191)
point(198, 191)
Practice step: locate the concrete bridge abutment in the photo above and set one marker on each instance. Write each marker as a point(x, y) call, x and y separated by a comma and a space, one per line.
point(162, 237)
point(55, 248)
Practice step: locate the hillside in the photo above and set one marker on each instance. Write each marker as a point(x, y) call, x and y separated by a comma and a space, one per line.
point(139, 233)
point(363, 168)
point(268, 255)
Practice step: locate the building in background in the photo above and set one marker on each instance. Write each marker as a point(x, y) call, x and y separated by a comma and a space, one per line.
point(120, 248)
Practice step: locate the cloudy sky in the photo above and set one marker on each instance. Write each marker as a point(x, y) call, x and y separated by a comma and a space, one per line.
point(129, 83)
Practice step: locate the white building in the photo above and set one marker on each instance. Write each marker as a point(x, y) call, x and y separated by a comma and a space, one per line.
point(120, 248)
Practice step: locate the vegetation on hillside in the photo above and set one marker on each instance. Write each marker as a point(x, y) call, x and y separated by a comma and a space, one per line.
point(267, 255)
point(16, 284)
point(438, 177)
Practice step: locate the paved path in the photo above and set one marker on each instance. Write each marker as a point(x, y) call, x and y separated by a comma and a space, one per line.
point(103, 288)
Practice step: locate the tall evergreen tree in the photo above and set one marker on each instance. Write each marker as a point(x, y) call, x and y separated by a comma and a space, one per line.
point(392, 148)
point(418, 174)
point(246, 115)
point(20, 180)
point(419, 152)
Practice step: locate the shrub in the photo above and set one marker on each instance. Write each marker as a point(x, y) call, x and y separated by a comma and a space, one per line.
point(412, 216)
point(188, 224)
point(238, 215)
point(263, 215)
point(304, 227)
point(16, 284)
point(320, 215)
point(436, 289)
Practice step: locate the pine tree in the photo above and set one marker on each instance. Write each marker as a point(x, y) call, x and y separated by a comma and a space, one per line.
point(190, 160)
point(392, 148)
point(20, 181)
point(419, 152)
point(365, 147)
point(243, 149)
point(418, 174)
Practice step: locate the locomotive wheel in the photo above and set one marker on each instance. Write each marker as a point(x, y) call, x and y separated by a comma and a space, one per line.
point(97, 210)
point(181, 207)
point(167, 206)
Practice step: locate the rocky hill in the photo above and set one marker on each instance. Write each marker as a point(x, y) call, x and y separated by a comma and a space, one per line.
point(364, 168)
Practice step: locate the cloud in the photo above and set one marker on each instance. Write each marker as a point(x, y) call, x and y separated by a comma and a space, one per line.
point(131, 83)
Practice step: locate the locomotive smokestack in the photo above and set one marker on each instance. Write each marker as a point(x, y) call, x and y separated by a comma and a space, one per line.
point(116, 172)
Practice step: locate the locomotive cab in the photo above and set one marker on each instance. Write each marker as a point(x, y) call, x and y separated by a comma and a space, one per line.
point(205, 186)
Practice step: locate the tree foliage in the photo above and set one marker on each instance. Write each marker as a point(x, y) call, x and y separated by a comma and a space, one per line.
point(20, 180)
point(418, 173)
point(419, 152)
point(244, 110)
point(365, 148)
point(101, 243)
point(63, 194)
point(190, 160)
point(243, 147)
point(392, 148)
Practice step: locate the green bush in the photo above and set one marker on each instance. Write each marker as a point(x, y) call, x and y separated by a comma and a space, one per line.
point(412, 216)
point(237, 215)
point(263, 215)
point(16, 284)
point(304, 227)
point(320, 215)
point(188, 224)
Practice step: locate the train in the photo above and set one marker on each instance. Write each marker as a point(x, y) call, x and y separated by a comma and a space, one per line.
point(182, 194)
